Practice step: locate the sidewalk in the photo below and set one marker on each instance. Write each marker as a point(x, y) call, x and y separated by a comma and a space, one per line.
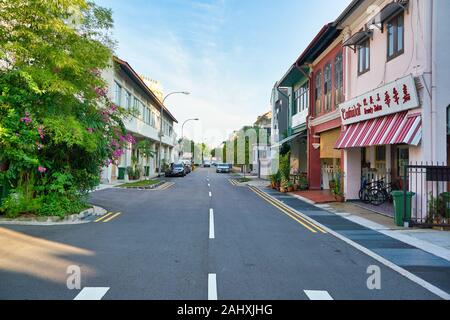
point(433, 241)
point(421, 255)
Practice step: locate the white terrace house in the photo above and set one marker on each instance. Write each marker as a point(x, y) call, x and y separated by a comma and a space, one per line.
point(129, 90)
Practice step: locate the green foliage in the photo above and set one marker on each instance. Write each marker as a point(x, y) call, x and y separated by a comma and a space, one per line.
point(337, 188)
point(285, 166)
point(57, 126)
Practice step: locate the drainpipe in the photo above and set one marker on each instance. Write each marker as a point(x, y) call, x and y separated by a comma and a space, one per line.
point(434, 36)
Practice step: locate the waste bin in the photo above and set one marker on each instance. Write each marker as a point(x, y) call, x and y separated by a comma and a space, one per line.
point(398, 206)
point(121, 174)
point(446, 197)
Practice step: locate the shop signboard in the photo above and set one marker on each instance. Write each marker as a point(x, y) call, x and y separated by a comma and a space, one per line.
point(394, 97)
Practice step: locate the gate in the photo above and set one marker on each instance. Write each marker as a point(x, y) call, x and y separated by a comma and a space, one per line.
point(430, 206)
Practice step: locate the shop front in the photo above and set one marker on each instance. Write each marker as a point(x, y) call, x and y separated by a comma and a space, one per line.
point(325, 163)
point(381, 129)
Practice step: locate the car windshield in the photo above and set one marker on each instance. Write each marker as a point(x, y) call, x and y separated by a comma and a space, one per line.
point(223, 166)
point(178, 165)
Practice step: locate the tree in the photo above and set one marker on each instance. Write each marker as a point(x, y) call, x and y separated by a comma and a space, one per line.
point(57, 126)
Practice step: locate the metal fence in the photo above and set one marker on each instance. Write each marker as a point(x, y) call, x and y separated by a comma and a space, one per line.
point(430, 202)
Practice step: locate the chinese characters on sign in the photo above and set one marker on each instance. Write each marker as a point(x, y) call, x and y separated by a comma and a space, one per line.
point(392, 98)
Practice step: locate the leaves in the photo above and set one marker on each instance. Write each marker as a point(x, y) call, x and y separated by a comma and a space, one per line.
point(56, 132)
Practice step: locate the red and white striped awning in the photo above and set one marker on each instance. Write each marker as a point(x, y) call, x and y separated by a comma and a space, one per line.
point(397, 128)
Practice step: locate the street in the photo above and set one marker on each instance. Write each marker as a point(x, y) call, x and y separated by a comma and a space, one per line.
point(202, 238)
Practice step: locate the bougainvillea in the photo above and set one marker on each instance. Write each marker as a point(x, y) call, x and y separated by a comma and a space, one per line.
point(57, 125)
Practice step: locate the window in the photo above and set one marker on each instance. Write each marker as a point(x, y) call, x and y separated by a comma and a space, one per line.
point(327, 86)
point(135, 104)
point(318, 92)
point(395, 37)
point(338, 79)
point(117, 93)
point(302, 98)
point(296, 102)
point(364, 57)
point(128, 100)
point(152, 121)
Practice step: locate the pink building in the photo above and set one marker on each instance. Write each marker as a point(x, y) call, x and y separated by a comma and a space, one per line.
point(397, 88)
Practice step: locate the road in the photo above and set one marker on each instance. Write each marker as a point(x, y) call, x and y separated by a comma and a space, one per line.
point(203, 238)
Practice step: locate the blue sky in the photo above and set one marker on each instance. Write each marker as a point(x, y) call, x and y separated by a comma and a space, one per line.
point(227, 53)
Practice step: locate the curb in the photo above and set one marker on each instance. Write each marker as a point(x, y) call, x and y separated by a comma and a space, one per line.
point(150, 187)
point(79, 218)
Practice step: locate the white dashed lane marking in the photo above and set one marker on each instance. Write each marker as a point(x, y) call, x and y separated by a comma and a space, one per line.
point(211, 224)
point(318, 295)
point(92, 293)
point(212, 286)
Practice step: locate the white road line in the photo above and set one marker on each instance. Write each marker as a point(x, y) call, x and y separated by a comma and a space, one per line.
point(92, 293)
point(421, 282)
point(211, 224)
point(209, 185)
point(210, 194)
point(318, 295)
point(212, 286)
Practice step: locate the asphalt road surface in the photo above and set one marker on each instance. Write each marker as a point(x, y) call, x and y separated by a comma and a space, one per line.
point(203, 238)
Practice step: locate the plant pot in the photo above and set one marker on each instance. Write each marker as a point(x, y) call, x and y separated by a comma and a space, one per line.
point(283, 190)
point(290, 189)
point(296, 187)
point(339, 198)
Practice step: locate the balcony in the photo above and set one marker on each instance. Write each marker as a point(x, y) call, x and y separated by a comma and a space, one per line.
point(139, 127)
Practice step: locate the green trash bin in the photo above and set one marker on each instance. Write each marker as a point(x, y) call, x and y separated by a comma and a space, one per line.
point(398, 206)
point(121, 174)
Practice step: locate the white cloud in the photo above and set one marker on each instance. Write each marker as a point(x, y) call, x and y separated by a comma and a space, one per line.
point(195, 61)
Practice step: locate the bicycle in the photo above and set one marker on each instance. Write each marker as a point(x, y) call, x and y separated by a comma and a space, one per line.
point(380, 193)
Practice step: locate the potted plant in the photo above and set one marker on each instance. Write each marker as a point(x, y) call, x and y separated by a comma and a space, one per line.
point(284, 186)
point(332, 184)
point(290, 186)
point(303, 183)
point(337, 190)
point(273, 181)
point(436, 209)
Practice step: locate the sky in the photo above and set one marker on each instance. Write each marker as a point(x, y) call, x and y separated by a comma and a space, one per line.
point(227, 53)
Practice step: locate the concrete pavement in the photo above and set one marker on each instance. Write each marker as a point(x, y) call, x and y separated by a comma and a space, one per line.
point(204, 238)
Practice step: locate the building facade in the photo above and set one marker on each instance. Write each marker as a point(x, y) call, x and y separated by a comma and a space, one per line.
point(129, 90)
point(395, 100)
point(261, 160)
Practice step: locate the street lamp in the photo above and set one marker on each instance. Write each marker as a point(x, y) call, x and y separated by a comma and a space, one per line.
point(182, 131)
point(160, 126)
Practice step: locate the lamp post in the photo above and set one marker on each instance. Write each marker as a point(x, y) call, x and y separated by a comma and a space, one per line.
point(160, 126)
point(182, 131)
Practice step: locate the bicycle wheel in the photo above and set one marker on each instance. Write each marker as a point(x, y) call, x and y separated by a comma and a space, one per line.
point(364, 195)
point(377, 197)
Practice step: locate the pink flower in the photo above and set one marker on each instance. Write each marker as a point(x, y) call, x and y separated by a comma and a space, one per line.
point(42, 169)
point(41, 131)
point(26, 119)
point(90, 130)
point(100, 92)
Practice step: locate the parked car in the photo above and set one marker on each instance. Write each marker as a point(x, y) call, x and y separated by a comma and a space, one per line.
point(176, 170)
point(223, 168)
point(188, 168)
point(187, 165)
